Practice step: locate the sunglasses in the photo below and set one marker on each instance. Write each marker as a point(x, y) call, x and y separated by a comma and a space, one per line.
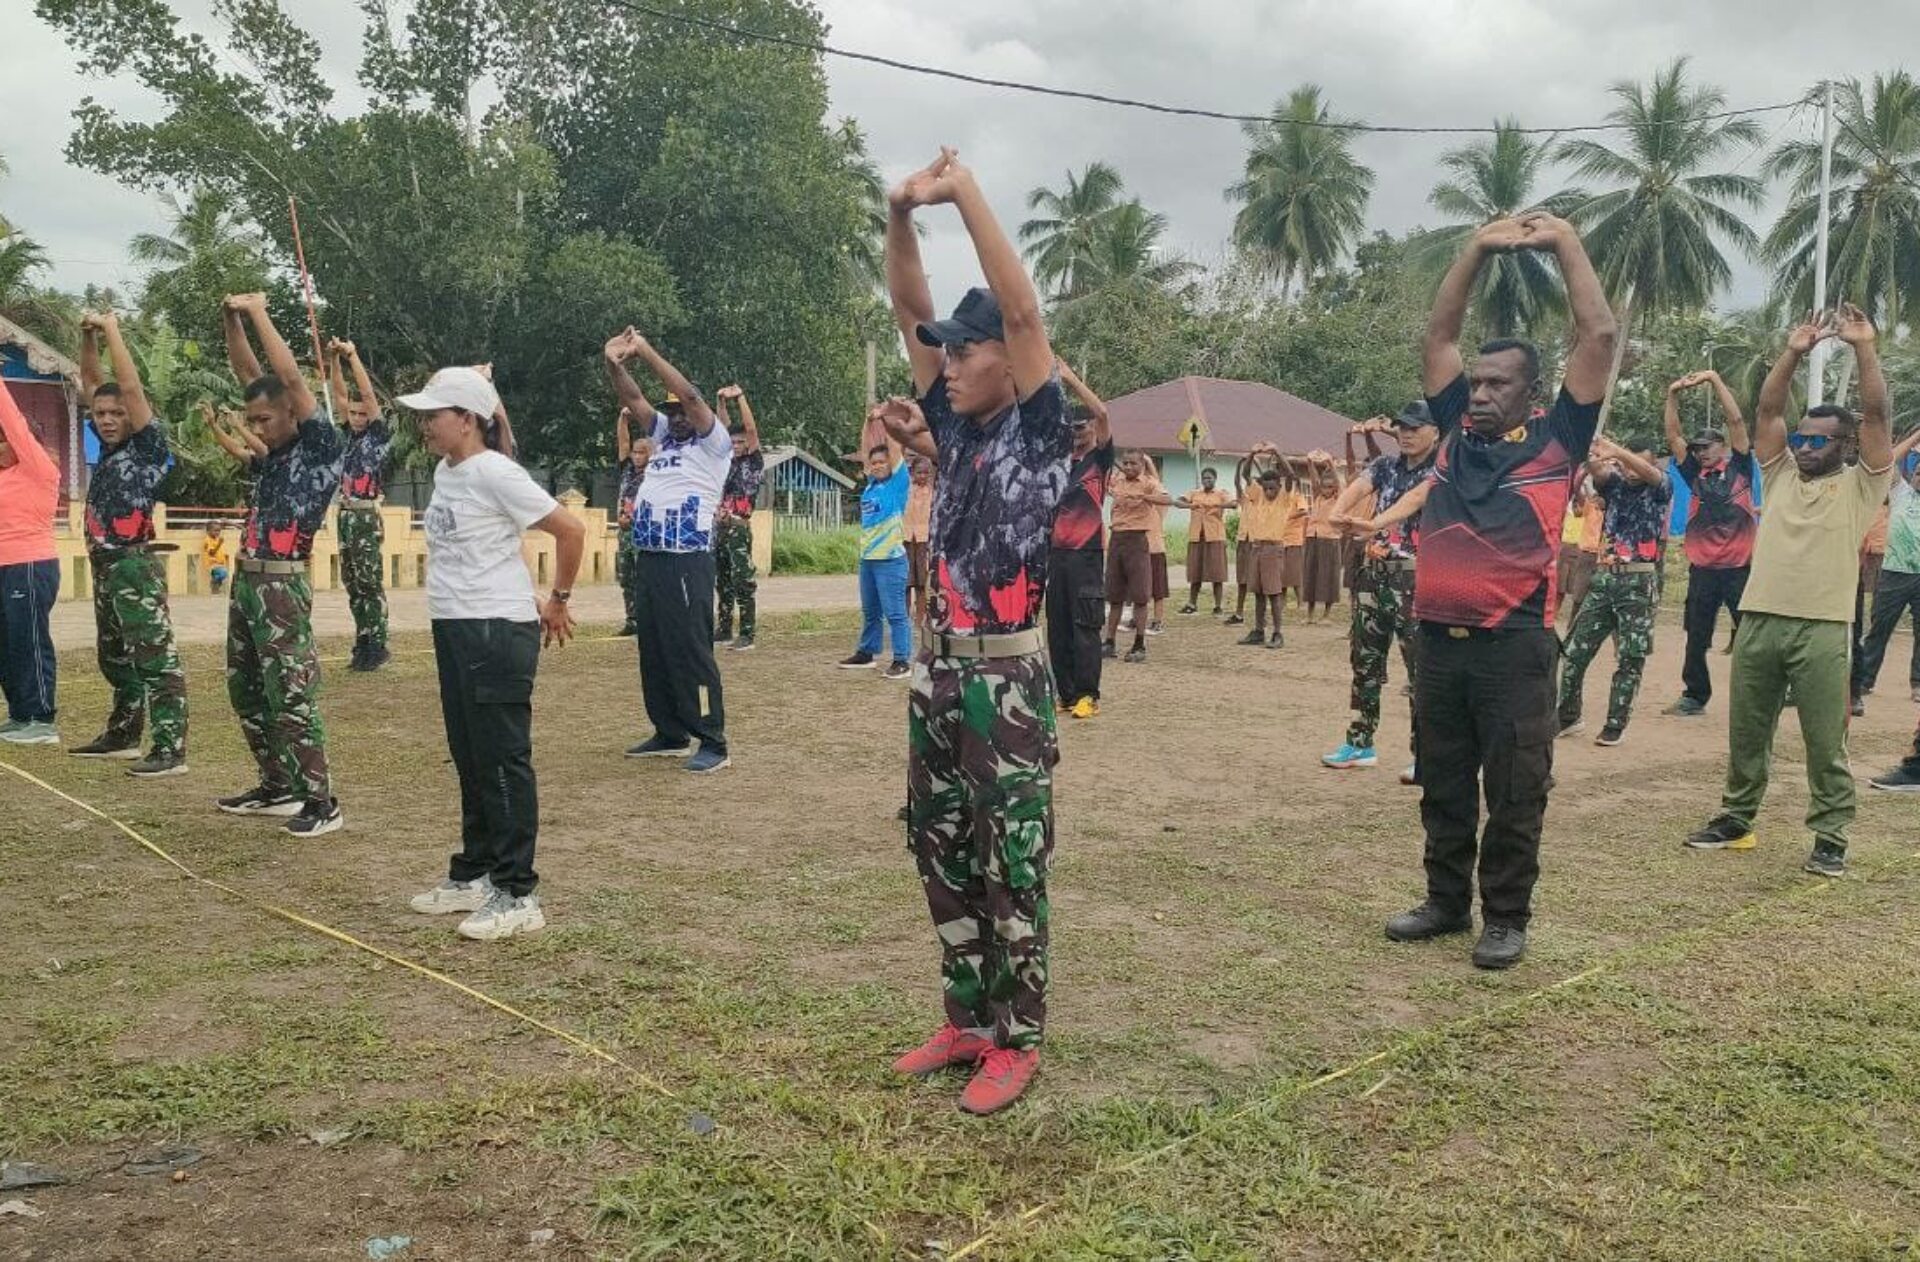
point(1809, 442)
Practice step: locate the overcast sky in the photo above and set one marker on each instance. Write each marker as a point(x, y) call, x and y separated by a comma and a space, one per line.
point(1428, 62)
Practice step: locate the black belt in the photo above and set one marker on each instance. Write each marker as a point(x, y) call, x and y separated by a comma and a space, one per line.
point(1446, 631)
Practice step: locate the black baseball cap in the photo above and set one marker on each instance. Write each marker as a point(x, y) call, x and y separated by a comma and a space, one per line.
point(1414, 416)
point(976, 319)
point(1706, 437)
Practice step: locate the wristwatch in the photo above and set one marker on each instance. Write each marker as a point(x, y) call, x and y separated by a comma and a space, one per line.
point(563, 595)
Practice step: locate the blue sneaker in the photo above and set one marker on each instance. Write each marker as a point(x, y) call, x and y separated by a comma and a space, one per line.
point(1351, 756)
point(707, 760)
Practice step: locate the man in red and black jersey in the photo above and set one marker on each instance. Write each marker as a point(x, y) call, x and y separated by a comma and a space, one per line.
point(1722, 521)
point(1485, 590)
point(1076, 592)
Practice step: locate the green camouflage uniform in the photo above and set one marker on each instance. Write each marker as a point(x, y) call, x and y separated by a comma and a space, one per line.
point(361, 534)
point(273, 680)
point(1382, 613)
point(1620, 605)
point(736, 580)
point(136, 650)
point(981, 751)
point(624, 561)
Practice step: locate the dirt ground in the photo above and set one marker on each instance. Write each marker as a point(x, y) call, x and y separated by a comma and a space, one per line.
point(1706, 1055)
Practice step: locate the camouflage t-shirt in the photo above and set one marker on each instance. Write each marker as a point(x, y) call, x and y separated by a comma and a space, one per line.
point(292, 490)
point(1392, 477)
point(120, 495)
point(993, 507)
point(362, 474)
point(1636, 518)
point(743, 484)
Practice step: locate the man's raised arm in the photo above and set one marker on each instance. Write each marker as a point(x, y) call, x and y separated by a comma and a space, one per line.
point(133, 396)
point(1770, 419)
point(749, 428)
point(907, 286)
point(279, 354)
point(1876, 428)
point(691, 401)
point(1020, 317)
point(240, 356)
point(1736, 421)
point(1676, 439)
point(1095, 405)
point(1590, 359)
point(91, 378)
point(620, 348)
point(1440, 359)
point(907, 425)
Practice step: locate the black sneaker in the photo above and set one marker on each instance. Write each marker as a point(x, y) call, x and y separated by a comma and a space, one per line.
point(1857, 708)
point(1500, 946)
point(708, 760)
point(1611, 734)
point(377, 655)
point(859, 661)
point(1138, 653)
point(1569, 727)
point(358, 661)
point(106, 747)
point(627, 631)
point(897, 669)
point(1192, 609)
point(260, 801)
point(1902, 779)
point(1232, 620)
point(159, 763)
point(660, 747)
point(1827, 859)
point(1723, 832)
point(1255, 637)
point(1685, 708)
point(1428, 920)
point(742, 644)
point(1154, 628)
point(1276, 641)
point(317, 817)
point(722, 634)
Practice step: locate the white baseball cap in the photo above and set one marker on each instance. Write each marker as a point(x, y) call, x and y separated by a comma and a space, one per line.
point(461, 388)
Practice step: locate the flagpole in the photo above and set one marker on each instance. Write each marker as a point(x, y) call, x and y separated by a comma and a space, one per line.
point(313, 320)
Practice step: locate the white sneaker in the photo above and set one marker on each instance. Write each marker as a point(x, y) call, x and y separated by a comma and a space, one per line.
point(451, 896)
point(32, 732)
point(502, 916)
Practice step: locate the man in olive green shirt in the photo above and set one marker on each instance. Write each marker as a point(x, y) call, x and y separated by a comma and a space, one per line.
point(1798, 606)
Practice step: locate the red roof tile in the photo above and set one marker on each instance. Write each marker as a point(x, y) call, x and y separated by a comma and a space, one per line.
point(1236, 414)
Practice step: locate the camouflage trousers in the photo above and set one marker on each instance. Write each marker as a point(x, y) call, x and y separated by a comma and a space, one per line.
point(361, 571)
point(273, 680)
point(134, 642)
point(1382, 613)
point(625, 561)
point(981, 748)
point(1620, 605)
point(734, 579)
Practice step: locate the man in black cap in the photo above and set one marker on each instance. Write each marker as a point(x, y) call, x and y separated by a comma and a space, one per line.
point(1722, 522)
point(980, 719)
point(1486, 587)
point(1076, 572)
point(1383, 611)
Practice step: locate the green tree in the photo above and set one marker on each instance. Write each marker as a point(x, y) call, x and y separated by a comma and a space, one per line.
point(1058, 240)
point(208, 252)
point(1655, 239)
point(44, 313)
point(1873, 252)
point(1304, 197)
point(1493, 179)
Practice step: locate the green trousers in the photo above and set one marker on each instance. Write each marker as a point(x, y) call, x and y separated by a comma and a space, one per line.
point(1771, 655)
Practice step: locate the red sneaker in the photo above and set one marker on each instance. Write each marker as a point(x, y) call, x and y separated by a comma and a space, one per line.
point(949, 1046)
point(1001, 1079)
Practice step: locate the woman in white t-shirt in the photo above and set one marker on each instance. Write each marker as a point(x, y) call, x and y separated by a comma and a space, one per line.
point(487, 634)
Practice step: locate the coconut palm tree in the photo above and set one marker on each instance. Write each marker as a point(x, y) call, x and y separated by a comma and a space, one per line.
point(1304, 197)
point(1873, 251)
point(1125, 249)
point(1492, 179)
point(43, 312)
point(1655, 238)
point(208, 251)
point(1056, 241)
point(864, 251)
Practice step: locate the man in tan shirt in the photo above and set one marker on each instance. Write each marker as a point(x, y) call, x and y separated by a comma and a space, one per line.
point(1133, 497)
point(1206, 541)
point(914, 525)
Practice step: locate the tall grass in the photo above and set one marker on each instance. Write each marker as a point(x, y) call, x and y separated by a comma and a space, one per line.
point(834, 551)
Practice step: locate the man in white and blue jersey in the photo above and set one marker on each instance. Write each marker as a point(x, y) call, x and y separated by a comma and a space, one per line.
point(673, 563)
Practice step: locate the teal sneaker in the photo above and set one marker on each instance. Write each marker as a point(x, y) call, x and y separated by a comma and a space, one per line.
point(1351, 756)
point(32, 732)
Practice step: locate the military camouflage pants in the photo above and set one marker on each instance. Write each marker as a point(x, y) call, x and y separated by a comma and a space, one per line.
point(1382, 613)
point(361, 533)
point(273, 680)
point(134, 641)
point(1620, 605)
point(735, 579)
point(623, 569)
point(981, 748)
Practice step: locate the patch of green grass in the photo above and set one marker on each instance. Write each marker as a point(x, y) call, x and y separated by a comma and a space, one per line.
point(797, 551)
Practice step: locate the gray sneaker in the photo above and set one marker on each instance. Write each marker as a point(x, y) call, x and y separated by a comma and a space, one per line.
point(502, 916)
point(451, 896)
point(160, 762)
point(1827, 859)
point(32, 732)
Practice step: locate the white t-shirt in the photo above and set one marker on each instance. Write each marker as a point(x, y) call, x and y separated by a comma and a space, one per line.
point(480, 508)
point(675, 510)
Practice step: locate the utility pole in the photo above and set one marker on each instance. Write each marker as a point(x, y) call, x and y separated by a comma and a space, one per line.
point(1817, 361)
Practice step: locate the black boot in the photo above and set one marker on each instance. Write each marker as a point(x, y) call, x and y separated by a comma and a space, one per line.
point(1428, 920)
point(1500, 946)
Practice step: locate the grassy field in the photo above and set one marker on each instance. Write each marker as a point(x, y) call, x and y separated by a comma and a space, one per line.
point(1706, 1056)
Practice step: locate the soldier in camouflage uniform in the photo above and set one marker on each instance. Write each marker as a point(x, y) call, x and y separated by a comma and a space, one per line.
point(735, 580)
point(361, 531)
point(273, 676)
point(981, 738)
point(1626, 588)
point(1383, 605)
point(134, 632)
point(633, 472)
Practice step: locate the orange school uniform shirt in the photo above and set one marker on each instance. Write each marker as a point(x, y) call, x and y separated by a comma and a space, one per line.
point(1297, 514)
point(1207, 517)
point(918, 517)
point(1264, 519)
point(1131, 511)
point(1320, 517)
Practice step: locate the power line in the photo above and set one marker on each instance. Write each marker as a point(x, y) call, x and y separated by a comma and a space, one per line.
point(768, 37)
